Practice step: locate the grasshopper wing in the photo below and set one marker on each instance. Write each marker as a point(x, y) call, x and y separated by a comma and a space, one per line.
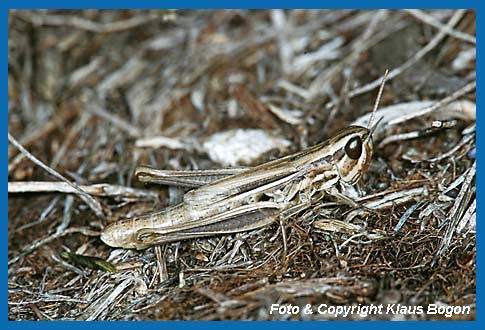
point(191, 179)
point(289, 167)
point(242, 182)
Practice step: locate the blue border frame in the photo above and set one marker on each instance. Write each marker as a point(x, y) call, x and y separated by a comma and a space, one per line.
point(235, 4)
point(24, 4)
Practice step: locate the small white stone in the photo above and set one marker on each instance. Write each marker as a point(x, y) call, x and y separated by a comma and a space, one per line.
point(242, 146)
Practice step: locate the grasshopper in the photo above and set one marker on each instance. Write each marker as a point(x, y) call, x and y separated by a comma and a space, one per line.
point(235, 200)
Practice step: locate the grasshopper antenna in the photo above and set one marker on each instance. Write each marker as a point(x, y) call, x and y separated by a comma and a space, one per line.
point(376, 104)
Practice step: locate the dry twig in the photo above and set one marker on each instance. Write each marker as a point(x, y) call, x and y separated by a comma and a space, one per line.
point(88, 199)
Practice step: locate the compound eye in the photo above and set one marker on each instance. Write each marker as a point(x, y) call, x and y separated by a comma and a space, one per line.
point(353, 148)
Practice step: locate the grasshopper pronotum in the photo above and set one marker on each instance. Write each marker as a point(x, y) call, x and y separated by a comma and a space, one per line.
point(238, 200)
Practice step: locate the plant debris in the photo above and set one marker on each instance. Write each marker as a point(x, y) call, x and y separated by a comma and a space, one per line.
point(95, 93)
point(87, 261)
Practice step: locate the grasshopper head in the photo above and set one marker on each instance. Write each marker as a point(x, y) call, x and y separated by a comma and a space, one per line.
point(352, 152)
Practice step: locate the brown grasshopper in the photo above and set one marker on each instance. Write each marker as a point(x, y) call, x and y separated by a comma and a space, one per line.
point(236, 200)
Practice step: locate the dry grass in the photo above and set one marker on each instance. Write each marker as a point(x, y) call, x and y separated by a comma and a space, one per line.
point(86, 86)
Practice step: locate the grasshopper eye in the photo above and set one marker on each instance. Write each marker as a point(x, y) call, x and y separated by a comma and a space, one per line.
point(353, 148)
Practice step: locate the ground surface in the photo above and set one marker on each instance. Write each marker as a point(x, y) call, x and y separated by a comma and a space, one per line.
point(87, 89)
